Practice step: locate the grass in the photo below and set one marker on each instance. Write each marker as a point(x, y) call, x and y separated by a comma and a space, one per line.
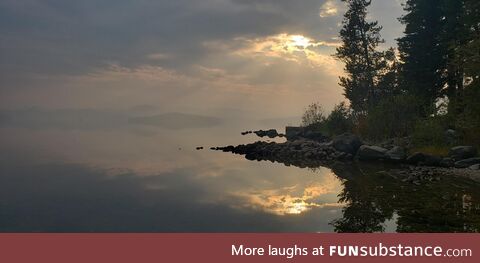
point(432, 150)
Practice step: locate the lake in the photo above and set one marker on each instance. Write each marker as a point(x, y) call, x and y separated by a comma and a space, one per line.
point(116, 171)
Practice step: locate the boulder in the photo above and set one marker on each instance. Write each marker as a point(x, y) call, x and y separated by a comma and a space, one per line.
point(416, 158)
point(424, 159)
point(397, 153)
point(371, 153)
point(298, 133)
point(314, 136)
point(347, 143)
point(293, 133)
point(462, 152)
point(272, 133)
point(431, 160)
point(474, 167)
point(467, 162)
point(447, 162)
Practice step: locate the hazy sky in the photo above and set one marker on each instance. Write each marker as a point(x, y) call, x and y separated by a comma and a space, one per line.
point(271, 57)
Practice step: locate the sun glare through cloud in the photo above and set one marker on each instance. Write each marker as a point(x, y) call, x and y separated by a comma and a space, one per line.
point(329, 8)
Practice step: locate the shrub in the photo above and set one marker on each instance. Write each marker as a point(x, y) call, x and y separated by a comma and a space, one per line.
point(340, 120)
point(314, 115)
point(468, 123)
point(394, 116)
point(431, 132)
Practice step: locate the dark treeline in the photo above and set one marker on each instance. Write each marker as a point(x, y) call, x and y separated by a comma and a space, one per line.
point(426, 86)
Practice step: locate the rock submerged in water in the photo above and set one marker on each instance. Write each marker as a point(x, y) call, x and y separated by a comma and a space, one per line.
point(272, 133)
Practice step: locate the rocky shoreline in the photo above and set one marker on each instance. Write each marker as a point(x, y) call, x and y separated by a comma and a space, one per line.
point(312, 150)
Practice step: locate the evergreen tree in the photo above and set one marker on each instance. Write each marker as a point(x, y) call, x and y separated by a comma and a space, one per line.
point(454, 35)
point(362, 61)
point(422, 52)
point(469, 51)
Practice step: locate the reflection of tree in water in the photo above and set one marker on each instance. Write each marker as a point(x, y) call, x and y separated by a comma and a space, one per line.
point(372, 197)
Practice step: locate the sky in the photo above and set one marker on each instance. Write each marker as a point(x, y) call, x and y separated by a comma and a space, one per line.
point(268, 58)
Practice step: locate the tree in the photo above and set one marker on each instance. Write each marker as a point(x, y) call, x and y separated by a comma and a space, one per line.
point(422, 52)
point(388, 81)
point(314, 114)
point(467, 55)
point(339, 121)
point(358, 51)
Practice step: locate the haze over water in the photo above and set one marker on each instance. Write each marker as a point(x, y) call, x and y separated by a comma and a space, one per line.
point(82, 171)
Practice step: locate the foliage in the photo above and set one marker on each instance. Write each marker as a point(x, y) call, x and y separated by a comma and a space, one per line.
point(337, 122)
point(394, 116)
point(468, 123)
point(430, 131)
point(314, 114)
point(422, 53)
point(358, 51)
point(340, 120)
point(439, 61)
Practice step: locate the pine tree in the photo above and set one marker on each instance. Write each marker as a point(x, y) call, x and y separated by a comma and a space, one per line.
point(362, 61)
point(469, 51)
point(422, 52)
point(454, 35)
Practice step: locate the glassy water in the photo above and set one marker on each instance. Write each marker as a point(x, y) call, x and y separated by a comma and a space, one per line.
point(84, 171)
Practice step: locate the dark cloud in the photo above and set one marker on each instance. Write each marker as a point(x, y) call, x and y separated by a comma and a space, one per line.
point(73, 36)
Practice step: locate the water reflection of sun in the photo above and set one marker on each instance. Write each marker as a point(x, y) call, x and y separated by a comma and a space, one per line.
point(297, 199)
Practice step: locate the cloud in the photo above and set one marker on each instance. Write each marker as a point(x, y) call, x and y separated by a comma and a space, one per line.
point(296, 199)
point(294, 48)
point(329, 8)
point(250, 53)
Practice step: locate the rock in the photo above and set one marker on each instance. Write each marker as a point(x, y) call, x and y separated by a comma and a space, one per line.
point(431, 160)
point(272, 133)
point(467, 162)
point(371, 153)
point(397, 153)
point(293, 133)
point(314, 135)
point(347, 143)
point(424, 159)
point(299, 133)
point(474, 167)
point(447, 162)
point(462, 152)
point(199, 148)
point(416, 158)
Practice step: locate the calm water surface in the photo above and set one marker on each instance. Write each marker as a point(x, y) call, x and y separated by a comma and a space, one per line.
point(76, 175)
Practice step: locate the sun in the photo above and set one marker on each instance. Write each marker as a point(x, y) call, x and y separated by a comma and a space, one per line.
point(300, 41)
